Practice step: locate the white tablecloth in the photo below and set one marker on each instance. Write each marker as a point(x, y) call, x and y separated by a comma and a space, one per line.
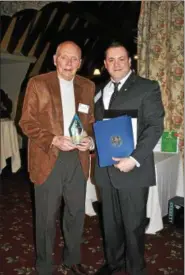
point(169, 183)
point(169, 179)
point(9, 145)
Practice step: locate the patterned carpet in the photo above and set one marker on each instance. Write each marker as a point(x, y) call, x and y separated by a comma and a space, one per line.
point(164, 251)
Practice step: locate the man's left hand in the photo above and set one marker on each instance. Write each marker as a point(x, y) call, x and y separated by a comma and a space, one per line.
point(85, 144)
point(124, 164)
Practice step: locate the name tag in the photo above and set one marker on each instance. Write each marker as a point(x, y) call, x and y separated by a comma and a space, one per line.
point(83, 108)
point(97, 96)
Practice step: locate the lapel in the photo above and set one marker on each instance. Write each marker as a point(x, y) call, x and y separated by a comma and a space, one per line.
point(55, 88)
point(124, 91)
point(78, 93)
point(100, 106)
point(128, 83)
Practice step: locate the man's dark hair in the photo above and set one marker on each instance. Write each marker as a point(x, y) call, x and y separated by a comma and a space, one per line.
point(115, 44)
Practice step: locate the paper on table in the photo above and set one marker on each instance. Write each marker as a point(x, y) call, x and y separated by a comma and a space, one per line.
point(157, 148)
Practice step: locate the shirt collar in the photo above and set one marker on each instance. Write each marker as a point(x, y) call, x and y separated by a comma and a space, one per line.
point(123, 80)
point(65, 82)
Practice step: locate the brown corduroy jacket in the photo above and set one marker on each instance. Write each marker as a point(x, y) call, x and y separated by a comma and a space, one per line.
point(42, 119)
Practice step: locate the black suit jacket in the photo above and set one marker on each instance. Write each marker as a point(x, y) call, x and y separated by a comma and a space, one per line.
point(144, 96)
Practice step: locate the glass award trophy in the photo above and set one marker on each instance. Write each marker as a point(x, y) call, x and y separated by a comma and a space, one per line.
point(76, 130)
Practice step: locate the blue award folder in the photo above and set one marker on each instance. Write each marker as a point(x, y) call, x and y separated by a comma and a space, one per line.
point(114, 138)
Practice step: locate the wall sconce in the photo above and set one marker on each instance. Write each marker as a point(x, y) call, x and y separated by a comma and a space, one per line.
point(136, 57)
point(96, 72)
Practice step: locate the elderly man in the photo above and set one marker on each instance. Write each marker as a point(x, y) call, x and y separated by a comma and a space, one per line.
point(58, 167)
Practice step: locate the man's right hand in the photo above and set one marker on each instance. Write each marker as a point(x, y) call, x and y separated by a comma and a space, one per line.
point(63, 143)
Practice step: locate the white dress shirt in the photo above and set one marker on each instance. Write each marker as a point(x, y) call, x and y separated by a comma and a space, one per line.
point(107, 93)
point(68, 102)
point(109, 90)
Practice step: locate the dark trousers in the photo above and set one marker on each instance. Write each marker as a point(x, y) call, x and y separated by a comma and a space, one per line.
point(67, 180)
point(124, 222)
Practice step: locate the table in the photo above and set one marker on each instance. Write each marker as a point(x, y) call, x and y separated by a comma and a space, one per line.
point(169, 183)
point(9, 145)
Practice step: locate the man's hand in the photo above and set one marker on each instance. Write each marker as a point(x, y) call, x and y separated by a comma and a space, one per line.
point(85, 144)
point(63, 143)
point(124, 164)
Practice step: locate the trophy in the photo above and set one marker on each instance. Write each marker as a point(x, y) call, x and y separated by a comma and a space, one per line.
point(76, 130)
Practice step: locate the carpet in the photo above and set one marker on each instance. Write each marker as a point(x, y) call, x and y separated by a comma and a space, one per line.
point(163, 251)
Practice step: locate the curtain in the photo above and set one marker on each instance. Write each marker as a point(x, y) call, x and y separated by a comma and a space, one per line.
point(161, 57)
